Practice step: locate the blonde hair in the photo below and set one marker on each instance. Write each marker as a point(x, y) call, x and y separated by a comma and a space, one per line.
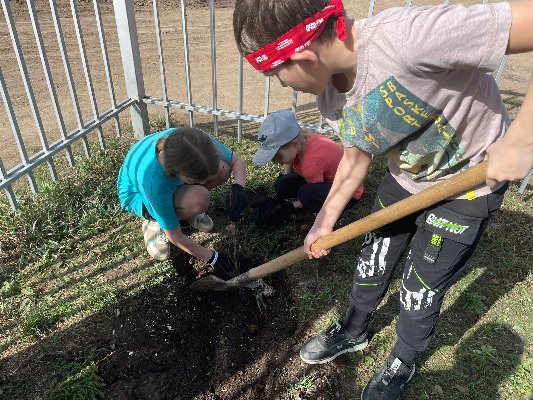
point(189, 152)
point(301, 138)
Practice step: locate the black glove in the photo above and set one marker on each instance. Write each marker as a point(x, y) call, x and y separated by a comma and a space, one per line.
point(236, 202)
point(223, 265)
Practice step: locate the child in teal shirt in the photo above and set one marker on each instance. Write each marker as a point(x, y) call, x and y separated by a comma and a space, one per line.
point(165, 179)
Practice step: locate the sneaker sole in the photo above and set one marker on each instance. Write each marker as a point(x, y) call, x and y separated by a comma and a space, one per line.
point(205, 230)
point(157, 254)
point(326, 360)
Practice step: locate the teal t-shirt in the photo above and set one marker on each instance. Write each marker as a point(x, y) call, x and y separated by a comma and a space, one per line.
point(142, 180)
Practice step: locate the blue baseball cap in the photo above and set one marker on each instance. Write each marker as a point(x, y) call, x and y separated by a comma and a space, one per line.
point(278, 129)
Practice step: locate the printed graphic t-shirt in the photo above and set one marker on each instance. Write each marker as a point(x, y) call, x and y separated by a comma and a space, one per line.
point(142, 180)
point(320, 161)
point(422, 95)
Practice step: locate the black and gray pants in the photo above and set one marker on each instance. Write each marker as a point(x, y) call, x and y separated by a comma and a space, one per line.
point(442, 238)
point(311, 195)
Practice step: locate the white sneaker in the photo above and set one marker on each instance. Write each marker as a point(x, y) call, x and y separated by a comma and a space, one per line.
point(150, 230)
point(159, 248)
point(202, 222)
point(155, 240)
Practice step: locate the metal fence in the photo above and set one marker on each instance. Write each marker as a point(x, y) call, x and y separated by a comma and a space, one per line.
point(131, 86)
point(49, 149)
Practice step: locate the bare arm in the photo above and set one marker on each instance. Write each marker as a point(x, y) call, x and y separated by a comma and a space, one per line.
point(287, 169)
point(521, 35)
point(350, 174)
point(188, 245)
point(511, 157)
point(238, 166)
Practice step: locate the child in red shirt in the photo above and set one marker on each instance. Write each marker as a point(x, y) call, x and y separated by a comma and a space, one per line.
point(310, 162)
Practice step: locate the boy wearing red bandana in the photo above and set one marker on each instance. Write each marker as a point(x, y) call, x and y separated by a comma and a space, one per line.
point(411, 84)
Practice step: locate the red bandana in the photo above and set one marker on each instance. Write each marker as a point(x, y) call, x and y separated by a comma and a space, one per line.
point(298, 38)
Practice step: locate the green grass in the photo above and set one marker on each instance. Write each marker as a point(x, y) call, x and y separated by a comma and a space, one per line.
point(78, 381)
point(303, 389)
point(71, 253)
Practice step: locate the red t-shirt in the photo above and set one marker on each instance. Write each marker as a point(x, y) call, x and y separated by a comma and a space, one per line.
point(320, 161)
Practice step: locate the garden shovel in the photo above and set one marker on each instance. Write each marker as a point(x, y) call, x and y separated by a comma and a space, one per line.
point(456, 185)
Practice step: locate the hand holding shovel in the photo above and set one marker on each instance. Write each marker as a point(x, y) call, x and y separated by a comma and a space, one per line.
point(457, 184)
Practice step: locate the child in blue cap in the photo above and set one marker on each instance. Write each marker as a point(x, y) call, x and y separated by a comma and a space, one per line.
point(310, 161)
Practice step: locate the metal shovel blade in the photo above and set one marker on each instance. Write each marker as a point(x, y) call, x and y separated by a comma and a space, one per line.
point(211, 282)
point(216, 284)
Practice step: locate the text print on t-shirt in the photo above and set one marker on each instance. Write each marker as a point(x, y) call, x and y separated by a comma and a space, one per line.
point(393, 121)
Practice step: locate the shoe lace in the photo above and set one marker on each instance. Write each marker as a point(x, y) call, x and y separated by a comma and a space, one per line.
point(161, 237)
point(198, 219)
point(332, 331)
point(390, 372)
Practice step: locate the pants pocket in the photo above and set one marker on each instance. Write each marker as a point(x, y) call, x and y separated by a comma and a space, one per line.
point(442, 245)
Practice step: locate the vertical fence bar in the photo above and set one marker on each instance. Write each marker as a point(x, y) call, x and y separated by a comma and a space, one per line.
point(131, 64)
point(185, 34)
point(9, 190)
point(105, 59)
point(48, 75)
point(16, 131)
point(213, 64)
point(27, 84)
point(525, 182)
point(267, 95)
point(499, 72)
point(371, 8)
point(86, 70)
point(241, 90)
point(294, 101)
point(68, 73)
point(161, 61)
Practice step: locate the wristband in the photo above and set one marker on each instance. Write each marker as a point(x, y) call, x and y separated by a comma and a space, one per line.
point(213, 260)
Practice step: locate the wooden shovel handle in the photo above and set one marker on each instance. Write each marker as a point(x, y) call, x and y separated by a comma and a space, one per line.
point(458, 184)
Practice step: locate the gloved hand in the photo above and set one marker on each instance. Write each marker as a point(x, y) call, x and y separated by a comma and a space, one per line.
point(236, 202)
point(223, 265)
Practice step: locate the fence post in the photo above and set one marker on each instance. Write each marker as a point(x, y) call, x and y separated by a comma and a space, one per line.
point(131, 63)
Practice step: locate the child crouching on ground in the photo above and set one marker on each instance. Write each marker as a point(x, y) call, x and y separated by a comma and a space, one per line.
point(310, 162)
point(165, 179)
point(411, 84)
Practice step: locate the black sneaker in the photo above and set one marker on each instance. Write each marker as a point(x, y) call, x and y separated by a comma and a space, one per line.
point(389, 382)
point(331, 343)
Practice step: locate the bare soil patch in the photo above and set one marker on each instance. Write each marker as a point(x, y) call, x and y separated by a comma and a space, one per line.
point(168, 342)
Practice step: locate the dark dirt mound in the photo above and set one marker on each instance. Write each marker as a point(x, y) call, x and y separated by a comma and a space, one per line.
point(178, 344)
point(174, 343)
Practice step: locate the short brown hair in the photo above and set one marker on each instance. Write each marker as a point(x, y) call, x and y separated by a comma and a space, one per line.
point(257, 23)
point(189, 152)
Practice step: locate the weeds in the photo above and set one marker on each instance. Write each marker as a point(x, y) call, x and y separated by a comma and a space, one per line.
point(81, 383)
point(47, 224)
point(312, 301)
point(70, 252)
point(303, 388)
